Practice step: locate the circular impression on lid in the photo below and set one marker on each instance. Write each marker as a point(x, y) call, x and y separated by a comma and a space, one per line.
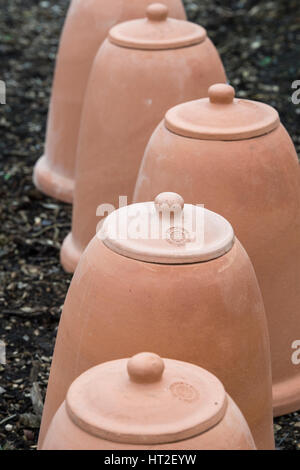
point(167, 231)
point(221, 116)
point(146, 400)
point(157, 31)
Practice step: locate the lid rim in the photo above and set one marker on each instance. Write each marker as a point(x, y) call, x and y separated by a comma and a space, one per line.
point(176, 123)
point(150, 439)
point(164, 260)
point(156, 46)
point(114, 430)
point(165, 249)
point(119, 38)
point(222, 138)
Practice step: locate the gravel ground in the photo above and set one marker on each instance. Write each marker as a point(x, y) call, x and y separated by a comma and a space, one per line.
point(259, 43)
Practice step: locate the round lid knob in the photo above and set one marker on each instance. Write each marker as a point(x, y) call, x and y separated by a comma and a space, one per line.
point(162, 400)
point(221, 94)
point(157, 12)
point(169, 201)
point(145, 368)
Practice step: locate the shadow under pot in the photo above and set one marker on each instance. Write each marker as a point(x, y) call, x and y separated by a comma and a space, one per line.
point(234, 156)
point(147, 403)
point(168, 277)
point(86, 26)
point(142, 69)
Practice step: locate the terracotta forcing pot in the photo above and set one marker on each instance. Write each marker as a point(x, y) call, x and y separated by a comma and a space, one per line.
point(170, 278)
point(235, 157)
point(148, 403)
point(86, 27)
point(144, 67)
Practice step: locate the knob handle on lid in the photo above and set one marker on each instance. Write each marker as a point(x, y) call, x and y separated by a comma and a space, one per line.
point(157, 12)
point(169, 201)
point(221, 93)
point(145, 368)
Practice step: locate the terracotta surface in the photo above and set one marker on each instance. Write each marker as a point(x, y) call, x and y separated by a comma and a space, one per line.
point(119, 117)
point(86, 26)
point(222, 117)
point(208, 313)
point(169, 234)
point(148, 403)
point(255, 184)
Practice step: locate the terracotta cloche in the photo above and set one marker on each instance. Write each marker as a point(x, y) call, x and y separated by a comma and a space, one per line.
point(168, 277)
point(86, 26)
point(235, 157)
point(143, 68)
point(148, 403)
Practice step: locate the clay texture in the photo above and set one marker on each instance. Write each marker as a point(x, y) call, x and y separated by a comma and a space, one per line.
point(86, 26)
point(119, 117)
point(207, 313)
point(253, 181)
point(163, 404)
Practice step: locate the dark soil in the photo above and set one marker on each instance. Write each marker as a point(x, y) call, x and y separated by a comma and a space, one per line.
point(259, 43)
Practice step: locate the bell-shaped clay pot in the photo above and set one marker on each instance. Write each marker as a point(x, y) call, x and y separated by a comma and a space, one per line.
point(87, 25)
point(170, 278)
point(235, 157)
point(143, 68)
point(148, 403)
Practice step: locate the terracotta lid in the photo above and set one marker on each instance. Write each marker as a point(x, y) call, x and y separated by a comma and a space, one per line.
point(222, 117)
point(167, 231)
point(146, 400)
point(156, 31)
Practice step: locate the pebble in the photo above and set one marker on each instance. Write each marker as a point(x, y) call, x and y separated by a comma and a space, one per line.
point(8, 427)
point(255, 45)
